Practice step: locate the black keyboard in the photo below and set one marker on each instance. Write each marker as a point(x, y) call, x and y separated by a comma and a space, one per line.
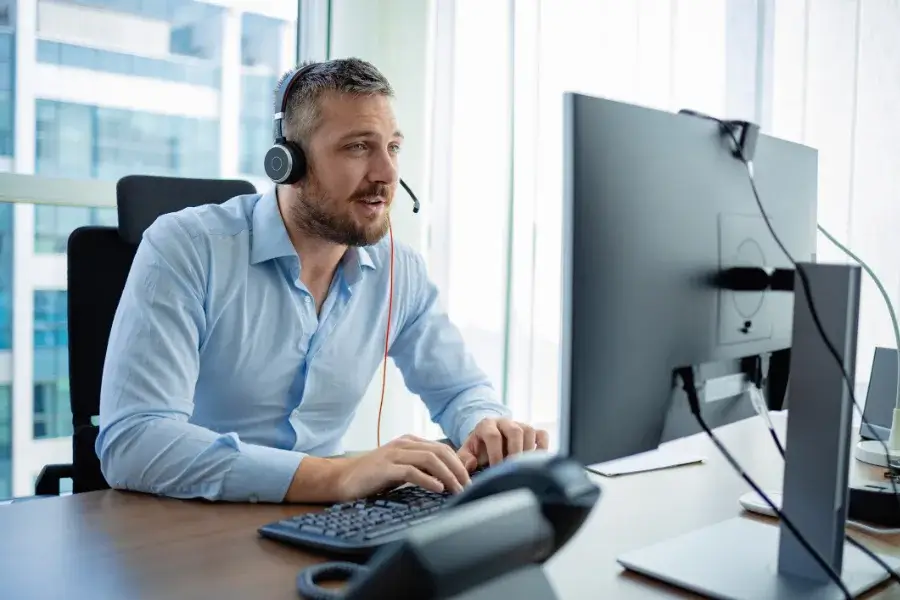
point(361, 527)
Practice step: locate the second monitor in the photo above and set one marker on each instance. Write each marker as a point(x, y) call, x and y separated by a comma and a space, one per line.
point(655, 203)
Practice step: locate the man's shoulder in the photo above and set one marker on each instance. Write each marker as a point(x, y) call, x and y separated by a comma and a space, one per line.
point(230, 218)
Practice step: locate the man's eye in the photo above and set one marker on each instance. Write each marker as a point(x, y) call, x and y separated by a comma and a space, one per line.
point(395, 148)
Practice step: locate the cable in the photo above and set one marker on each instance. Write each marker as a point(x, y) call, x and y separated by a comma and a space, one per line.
point(690, 388)
point(804, 280)
point(884, 294)
point(801, 272)
point(859, 546)
point(861, 526)
point(387, 333)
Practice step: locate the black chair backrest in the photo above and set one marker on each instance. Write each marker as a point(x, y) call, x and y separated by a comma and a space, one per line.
point(99, 259)
point(140, 199)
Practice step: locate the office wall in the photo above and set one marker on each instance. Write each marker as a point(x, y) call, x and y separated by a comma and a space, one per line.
point(394, 36)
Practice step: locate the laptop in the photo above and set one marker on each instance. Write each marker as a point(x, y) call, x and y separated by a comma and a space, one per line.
point(881, 396)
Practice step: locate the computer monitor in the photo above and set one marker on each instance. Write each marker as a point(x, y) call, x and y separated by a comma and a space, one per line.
point(654, 204)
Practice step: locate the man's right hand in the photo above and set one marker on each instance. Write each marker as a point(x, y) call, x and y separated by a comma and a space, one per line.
point(409, 459)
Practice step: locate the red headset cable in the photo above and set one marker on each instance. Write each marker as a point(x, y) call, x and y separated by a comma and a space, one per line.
point(387, 334)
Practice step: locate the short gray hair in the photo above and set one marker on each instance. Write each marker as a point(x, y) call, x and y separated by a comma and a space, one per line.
point(342, 75)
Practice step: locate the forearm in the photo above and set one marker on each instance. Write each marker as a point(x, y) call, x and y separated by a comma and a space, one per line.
point(318, 481)
point(161, 455)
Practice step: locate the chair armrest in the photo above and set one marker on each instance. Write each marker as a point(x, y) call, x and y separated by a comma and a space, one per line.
point(48, 481)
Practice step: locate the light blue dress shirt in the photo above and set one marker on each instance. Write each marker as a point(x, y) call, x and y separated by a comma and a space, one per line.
point(220, 376)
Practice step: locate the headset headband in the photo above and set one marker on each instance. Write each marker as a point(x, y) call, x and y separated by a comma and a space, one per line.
point(284, 92)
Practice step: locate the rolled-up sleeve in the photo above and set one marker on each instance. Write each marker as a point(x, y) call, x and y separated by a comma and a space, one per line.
point(431, 355)
point(146, 442)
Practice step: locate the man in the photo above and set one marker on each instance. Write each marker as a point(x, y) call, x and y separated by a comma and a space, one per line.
point(248, 332)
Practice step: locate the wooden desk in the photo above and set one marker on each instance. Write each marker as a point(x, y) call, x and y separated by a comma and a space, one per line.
point(129, 546)
point(639, 510)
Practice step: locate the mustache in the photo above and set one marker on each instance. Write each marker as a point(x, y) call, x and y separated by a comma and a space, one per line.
point(379, 189)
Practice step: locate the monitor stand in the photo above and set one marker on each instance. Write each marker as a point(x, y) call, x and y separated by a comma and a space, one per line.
point(745, 558)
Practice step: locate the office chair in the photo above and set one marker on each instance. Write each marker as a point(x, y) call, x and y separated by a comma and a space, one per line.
point(99, 259)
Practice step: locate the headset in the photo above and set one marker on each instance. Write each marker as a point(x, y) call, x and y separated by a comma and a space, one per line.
point(285, 164)
point(285, 161)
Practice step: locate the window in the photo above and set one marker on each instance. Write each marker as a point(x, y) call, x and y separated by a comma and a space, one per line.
point(256, 121)
point(7, 91)
point(5, 441)
point(6, 277)
point(113, 88)
point(834, 88)
point(506, 128)
point(80, 141)
point(468, 257)
point(196, 72)
point(52, 411)
point(50, 317)
point(263, 45)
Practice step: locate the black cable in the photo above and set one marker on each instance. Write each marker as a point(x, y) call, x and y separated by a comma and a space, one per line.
point(859, 546)
point(690, 388)
point(804, 280)
point(777, 441)
point(728, 127)
point(878, 560)
point(801, 272)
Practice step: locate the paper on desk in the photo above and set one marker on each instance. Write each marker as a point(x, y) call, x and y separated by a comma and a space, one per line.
point(654, 460)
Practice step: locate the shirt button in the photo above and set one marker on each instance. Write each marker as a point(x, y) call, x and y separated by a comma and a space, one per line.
point(300, 345)
point(308, 300)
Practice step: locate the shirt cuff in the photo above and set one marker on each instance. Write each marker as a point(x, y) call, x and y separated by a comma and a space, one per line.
point(470, 422)
point(261, 474)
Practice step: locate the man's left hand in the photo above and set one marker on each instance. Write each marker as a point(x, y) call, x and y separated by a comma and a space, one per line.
point(492, 440)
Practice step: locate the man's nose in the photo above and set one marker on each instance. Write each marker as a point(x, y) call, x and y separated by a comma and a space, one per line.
point(383, 168)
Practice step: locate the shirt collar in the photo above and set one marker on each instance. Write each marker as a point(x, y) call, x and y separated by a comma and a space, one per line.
point(270, 240)
point(354, 261)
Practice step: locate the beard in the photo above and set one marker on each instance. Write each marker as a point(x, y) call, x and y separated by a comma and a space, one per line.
point(317, 214)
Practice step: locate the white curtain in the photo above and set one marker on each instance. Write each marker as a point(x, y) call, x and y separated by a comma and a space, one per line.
point(819, 72)
point(835, 86)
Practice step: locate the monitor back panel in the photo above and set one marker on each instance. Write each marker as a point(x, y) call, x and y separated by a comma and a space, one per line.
point(655, 203)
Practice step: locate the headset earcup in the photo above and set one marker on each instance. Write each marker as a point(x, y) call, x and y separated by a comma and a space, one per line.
point(285, 163)
point(298, 162)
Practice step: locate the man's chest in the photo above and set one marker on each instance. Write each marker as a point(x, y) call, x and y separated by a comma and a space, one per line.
point(266, 337)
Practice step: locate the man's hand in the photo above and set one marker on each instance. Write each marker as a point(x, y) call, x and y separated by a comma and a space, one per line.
point(409, 459)
point(492, 440)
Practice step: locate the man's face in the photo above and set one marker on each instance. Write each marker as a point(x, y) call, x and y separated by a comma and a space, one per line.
point(352, 172)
